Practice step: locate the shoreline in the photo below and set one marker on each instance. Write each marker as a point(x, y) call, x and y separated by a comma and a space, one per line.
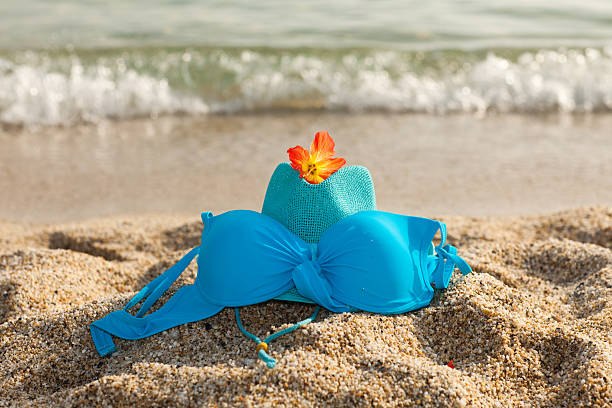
point(421, 164)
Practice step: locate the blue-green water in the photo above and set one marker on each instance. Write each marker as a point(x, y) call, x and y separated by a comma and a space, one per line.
point(405, 24)
point(67, 61)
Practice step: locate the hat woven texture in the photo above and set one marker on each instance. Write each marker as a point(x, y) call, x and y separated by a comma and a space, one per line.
point(308, 210)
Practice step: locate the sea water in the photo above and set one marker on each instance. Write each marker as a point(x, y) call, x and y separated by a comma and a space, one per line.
point(73, 61)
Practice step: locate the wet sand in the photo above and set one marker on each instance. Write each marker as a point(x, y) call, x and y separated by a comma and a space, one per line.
point(92, 214)
point(421, 164)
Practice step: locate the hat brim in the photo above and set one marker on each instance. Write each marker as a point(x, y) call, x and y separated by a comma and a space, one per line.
point(292, 295)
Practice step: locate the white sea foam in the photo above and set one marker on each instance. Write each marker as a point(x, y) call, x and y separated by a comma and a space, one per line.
point(34, 95)
point(229, 82)
point(545, 81)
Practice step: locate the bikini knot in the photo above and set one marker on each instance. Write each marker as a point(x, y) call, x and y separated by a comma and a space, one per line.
point(309, 267)
point(311, 282)
point(261, 346)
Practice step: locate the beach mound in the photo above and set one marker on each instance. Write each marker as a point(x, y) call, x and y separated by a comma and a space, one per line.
point(532, 326)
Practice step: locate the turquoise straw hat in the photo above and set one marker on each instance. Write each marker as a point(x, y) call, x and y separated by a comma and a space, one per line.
point(308, 210)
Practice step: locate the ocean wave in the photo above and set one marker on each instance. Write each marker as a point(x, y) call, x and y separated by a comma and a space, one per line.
point(72, 87)
point(37, 96)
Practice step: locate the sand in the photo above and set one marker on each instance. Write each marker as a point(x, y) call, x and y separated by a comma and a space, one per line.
point(420, 164)
point(531, 327)
point(89, 214)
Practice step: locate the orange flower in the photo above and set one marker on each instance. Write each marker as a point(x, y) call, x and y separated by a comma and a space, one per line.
point(318, 164)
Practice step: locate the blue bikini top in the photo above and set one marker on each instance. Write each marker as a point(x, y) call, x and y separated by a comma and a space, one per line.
point(372, 260)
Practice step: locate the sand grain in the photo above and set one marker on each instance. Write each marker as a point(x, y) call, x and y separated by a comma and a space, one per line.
point(530, 327)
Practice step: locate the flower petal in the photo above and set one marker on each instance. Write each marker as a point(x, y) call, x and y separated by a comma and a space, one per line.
point(318, 164)
point(298, 156)
point(322, 146)
point(328, 166)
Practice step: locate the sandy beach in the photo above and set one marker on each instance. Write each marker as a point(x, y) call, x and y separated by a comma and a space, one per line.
point(530, 327)
point(120, 124)
point(93, 213)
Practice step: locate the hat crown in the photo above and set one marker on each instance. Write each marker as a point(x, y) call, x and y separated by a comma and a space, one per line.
point(309, 209)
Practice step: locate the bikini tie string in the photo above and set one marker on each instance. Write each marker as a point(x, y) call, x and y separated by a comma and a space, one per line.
point(262, 345)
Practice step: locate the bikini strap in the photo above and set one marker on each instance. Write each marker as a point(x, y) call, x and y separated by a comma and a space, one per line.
point(158, 286)
point(262, 345)
point(447, 258)
point(185, 306)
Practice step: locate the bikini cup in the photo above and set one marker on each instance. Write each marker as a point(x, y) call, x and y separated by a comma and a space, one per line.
point(372, 260)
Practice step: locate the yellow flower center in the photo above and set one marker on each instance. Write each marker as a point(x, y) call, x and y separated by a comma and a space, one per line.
point(312, 169)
